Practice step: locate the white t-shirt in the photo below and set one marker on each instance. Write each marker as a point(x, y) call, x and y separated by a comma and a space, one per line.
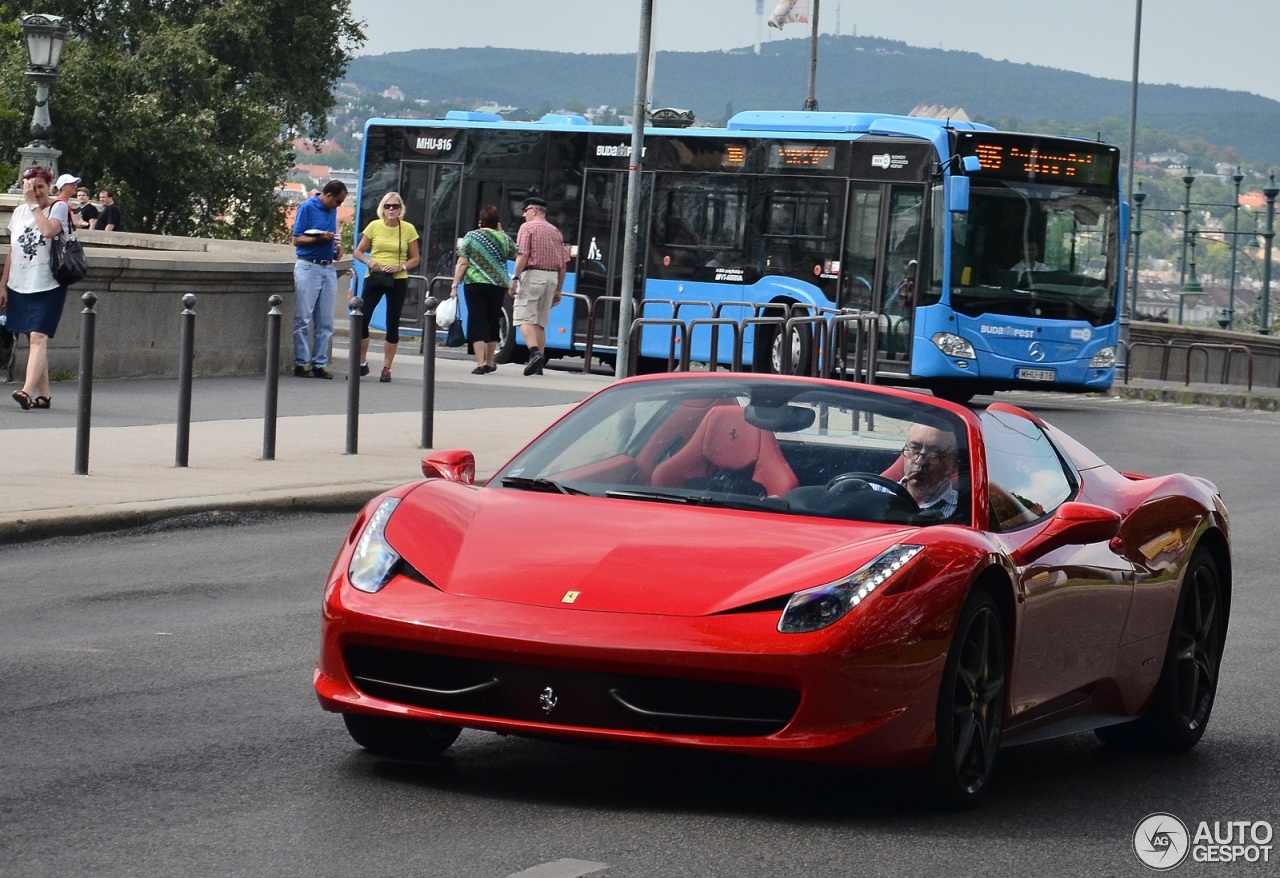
point(29, 250)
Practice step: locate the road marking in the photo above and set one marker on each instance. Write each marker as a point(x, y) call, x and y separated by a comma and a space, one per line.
point(561, 869)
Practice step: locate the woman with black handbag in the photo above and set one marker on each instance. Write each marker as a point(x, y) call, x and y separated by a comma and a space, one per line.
point(389, 247)
point(33, 298)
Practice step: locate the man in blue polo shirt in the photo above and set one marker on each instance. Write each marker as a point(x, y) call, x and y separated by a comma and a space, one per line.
point(315, 280)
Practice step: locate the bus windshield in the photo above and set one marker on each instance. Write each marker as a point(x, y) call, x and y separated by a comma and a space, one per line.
point(1034, 250)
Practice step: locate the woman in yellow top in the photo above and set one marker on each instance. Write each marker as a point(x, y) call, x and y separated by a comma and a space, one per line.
point(389, 246)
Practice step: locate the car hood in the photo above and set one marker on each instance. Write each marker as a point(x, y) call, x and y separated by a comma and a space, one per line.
point(620, 555)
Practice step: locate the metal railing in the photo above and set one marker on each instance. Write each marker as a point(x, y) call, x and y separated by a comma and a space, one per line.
point(1188, 348)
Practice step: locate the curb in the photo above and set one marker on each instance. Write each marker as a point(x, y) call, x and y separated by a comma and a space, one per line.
point(82, 522)
point(1232, 398)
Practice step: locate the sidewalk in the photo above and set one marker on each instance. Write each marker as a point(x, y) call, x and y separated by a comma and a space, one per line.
point(133, 480)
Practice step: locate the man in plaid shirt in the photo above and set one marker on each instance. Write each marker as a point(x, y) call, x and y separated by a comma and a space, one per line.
point(540, 262)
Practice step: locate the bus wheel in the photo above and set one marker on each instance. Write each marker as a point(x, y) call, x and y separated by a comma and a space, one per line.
point(506, 352)
point(767, 356)
point(960, 395)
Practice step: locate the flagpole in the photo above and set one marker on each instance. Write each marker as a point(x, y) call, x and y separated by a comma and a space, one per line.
point(811, 103)
point(626, 309)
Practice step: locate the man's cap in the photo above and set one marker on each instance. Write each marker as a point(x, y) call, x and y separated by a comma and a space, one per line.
point(534, 202)
point(64, 180)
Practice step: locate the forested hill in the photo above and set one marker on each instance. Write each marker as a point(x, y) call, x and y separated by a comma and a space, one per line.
point(854, 73)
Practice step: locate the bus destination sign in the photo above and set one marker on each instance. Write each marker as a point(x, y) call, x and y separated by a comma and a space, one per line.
point(819, 156)
point(1028, 158)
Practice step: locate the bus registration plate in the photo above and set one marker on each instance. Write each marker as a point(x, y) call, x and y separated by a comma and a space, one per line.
point(1036, 375)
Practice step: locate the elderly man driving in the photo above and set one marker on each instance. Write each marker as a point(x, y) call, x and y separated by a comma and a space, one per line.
point(929, 462)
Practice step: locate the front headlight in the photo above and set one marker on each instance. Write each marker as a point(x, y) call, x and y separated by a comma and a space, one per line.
point(816, 608)
point(374, 559)
point(953, 345)
point(1103, 359)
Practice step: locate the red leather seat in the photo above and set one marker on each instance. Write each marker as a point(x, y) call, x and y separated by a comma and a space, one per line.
point(724, 441)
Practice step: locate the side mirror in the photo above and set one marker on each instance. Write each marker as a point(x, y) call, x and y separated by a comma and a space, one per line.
point(1074, 524)
point(454, 466)
point(958, 195)
point(971, 164)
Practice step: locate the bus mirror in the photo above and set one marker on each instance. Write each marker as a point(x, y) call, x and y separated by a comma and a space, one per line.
point(958, 197)
point(971, 164)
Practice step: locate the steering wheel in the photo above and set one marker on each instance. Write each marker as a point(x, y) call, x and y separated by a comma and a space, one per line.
point(857, 481)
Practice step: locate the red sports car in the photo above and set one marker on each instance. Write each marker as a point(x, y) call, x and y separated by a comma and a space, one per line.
point(786, 567)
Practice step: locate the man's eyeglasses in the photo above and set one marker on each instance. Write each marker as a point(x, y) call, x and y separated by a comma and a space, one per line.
point(922, 454)
point(391, 206)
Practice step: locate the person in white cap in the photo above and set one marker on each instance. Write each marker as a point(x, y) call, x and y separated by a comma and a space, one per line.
point(64, 188)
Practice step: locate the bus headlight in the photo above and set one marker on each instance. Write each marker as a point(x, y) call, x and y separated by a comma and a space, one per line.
point(953, 345)
point(1103, 359)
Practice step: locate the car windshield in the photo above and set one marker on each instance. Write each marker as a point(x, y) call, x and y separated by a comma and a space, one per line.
point(770, 445)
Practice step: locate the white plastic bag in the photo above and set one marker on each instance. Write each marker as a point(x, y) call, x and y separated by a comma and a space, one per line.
point(446, 313)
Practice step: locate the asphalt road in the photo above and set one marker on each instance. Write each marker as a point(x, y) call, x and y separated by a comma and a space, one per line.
point(157, 719)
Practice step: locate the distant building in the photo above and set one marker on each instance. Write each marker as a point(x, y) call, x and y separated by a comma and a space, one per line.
point(937, 111)
point(394, 93)
point(302, 146)
point(1168, 158)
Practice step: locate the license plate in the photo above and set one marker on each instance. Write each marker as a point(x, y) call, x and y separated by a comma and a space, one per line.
point(1036, 375)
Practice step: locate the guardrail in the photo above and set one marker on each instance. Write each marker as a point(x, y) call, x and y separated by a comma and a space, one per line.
point(1188, 348)
point(842, 343)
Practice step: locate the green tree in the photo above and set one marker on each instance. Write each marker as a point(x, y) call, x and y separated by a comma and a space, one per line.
point(188, 108)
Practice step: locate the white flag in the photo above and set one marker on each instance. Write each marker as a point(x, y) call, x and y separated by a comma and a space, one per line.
point(788, 11)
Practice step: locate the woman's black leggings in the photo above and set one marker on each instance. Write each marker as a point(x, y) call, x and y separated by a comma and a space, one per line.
point(395, 304)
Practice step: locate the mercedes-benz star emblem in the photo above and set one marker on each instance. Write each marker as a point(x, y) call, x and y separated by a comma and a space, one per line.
point(548, 700)
point(1036, 352)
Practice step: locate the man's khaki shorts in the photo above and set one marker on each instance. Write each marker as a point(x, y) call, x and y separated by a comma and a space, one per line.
point(533, 301)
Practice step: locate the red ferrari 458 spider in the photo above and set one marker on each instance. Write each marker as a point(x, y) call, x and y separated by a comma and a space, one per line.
point(785, 567)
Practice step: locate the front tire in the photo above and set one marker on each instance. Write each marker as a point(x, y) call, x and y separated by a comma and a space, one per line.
point(971, 705)
point(1184, 696)
point(406, 739)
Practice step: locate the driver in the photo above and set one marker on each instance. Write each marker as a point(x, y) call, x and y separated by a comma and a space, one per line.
point(929, 461)
point(1030, 259)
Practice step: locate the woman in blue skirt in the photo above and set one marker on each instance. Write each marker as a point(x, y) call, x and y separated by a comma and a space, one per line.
point(32, 298)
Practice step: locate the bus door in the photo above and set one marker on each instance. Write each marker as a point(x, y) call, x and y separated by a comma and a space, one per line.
point(432, 194)
point(881, 263)
point(600, 246)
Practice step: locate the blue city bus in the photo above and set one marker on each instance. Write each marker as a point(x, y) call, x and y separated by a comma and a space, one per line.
point(992, 258)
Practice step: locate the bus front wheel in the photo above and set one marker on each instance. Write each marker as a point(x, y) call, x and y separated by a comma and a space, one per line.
point(767, 356)
point(960, 394)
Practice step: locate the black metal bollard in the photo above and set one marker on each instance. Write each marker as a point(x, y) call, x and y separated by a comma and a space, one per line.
point(429, 370)
point(186, 365)
point(84, 394)
point(356, 307)
point(273, 379)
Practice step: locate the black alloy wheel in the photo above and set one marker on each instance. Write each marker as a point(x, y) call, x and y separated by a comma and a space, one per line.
point(971, 706)
point(1188, 685)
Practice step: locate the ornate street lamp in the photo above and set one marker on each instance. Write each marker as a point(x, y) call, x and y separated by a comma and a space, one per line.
point(1191, 286)
point(1138, 198)
point(45, 36)
point(1268, 237)
point(1238, 178)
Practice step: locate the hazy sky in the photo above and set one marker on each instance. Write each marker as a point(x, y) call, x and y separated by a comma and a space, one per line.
point(1233, 46)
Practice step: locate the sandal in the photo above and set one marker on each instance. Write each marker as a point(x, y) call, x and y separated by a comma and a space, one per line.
point(23, 399)
point(41, 402)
